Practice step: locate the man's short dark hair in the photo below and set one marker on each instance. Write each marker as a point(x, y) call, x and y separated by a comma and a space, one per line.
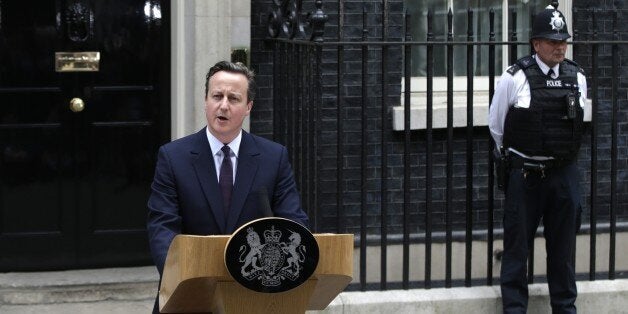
point(237, 67)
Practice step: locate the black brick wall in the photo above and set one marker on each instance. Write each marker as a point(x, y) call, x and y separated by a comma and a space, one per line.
point(583, 54)
point(262, 124)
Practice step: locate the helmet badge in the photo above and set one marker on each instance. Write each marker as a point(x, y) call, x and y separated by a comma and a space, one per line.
point(557, 22)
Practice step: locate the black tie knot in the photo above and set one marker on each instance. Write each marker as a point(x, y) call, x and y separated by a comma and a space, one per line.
point(227, 152)
point(550, 73)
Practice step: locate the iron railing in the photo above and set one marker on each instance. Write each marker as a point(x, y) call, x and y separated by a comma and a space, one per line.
point(334, 117)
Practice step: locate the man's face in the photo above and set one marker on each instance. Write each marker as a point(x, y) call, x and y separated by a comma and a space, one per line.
point(551, 52)
point(226, 104)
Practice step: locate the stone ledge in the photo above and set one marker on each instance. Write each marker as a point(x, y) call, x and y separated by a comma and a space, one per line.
point(78, 277)
point(418, 114)
point(602, 296)
point(106, 307)
point(75, 286)
point(132, 290)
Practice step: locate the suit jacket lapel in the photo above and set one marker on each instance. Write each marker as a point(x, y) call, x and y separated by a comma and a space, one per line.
point(206, 174)
point(245, 172)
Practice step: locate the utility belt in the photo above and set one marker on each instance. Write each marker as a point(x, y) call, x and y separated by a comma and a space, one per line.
point(507, 161)
point(517, 162)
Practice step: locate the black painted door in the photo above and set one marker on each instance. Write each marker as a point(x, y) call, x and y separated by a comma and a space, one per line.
point(74, 185)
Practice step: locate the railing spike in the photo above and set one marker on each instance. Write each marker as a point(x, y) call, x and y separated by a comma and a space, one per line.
point(317, 21)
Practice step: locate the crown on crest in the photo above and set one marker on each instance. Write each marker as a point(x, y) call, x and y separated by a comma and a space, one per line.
point(272, 235)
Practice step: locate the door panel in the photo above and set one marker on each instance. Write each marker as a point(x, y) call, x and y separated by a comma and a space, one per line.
point(34, 181)
point(34, 171)
point(74, 185)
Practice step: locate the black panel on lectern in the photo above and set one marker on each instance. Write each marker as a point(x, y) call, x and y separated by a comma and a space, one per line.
point(271, 255)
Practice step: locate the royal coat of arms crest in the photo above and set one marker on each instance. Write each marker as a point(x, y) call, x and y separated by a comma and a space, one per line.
point(278, 260)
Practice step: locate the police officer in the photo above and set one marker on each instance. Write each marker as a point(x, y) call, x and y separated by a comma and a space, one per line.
point(536, 118)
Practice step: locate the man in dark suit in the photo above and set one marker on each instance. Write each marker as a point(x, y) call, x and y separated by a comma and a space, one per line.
point(222, 177)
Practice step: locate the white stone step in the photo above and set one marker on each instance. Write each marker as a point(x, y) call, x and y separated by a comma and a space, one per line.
point(108, 290)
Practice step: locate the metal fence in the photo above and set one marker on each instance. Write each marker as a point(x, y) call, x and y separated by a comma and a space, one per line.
point(310, 117)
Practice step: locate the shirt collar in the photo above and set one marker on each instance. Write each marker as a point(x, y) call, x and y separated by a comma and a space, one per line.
point(217, 145)
point(545, 68)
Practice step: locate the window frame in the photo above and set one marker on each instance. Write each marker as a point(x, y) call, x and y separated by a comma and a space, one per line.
point(418, 85)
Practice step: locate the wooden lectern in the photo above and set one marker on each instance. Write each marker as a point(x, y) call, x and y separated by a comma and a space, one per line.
point(195, 279)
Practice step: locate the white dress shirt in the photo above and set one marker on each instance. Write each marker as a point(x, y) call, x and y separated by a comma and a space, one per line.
point(216, 148)
point(514, 90)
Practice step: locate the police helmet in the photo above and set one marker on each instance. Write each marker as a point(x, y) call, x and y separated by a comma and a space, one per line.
point(550, 24)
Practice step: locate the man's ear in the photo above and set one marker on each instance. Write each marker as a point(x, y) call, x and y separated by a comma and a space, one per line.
point(534, 43)
point(249, 106)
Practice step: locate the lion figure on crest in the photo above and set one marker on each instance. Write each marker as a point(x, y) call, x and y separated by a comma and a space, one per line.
point(253, 239)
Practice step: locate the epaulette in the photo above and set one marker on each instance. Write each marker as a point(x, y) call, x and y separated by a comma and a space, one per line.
point(513, 69)
point(571, 62)
point(526, 62)
point(521, 64)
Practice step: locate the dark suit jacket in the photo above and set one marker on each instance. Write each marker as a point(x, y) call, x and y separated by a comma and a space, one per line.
point(186, 198)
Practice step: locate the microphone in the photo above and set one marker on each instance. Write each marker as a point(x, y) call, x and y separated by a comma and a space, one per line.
point(264, 203)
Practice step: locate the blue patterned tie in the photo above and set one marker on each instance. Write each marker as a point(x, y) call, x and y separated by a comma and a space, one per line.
point(226, 178)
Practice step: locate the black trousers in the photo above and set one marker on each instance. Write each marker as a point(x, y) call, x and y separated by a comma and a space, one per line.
point(553, 196)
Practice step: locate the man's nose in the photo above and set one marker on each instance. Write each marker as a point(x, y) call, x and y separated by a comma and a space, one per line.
point(224, 103)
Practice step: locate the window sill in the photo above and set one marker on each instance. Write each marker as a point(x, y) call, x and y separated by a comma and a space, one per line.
point(418, 111)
